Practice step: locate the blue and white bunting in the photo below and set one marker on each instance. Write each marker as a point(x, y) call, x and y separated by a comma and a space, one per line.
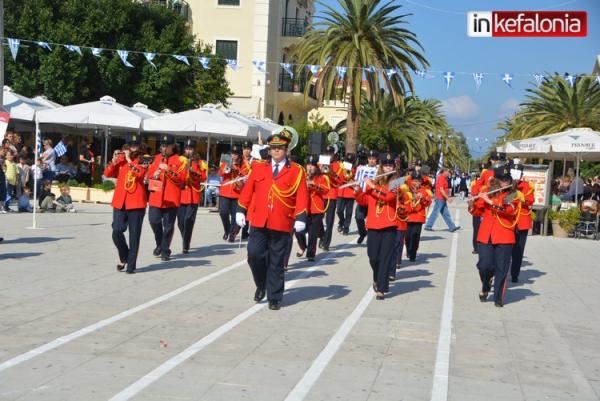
point(181, 58)
point(389, 73)
point(287, 67)
point(538, 79)
point(313, 68)
point(478, 78)
point(260, 65)
point(14, 47)
point(341, 70)
point(74, 49)
point(204, 62)
point(96, 51)
point(44, 45)
point(231, 63)
point(371, 69)
point(420, 73)
point(507, 78)
point(448, 77)
point(150, 57)
point(123, 54)
point(570, 79)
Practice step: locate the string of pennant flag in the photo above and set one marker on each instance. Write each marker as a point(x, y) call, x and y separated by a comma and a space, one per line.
point(290, 68)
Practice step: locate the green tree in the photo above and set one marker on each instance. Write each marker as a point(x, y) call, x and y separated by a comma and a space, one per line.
point(363, 34)
point(69, 78)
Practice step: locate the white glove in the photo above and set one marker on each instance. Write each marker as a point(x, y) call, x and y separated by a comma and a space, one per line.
point(299, 226)
point(240, 219)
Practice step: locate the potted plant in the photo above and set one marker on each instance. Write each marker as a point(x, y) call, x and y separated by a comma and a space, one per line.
point(564, 221)
point(102, 193)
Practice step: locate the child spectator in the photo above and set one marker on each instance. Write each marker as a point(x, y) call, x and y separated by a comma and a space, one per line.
point(64, 203)
point(11, 173)
point(24, 175)
point(24, 206)
point(46, 197)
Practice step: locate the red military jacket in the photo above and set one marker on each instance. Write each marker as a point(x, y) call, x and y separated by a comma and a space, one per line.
point(233, 191)
point(347, 192)
point(316, 192)
point(420, 201)
point(275, 203)
point(404, 200)
point(192, 188)
point(499, 219)
point(172, 179)
point(336, 178)
point(524, 221)
point(130, 192)
point(473, 209)
point(381, 207)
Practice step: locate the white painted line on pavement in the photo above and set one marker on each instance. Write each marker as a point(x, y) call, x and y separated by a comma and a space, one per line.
point(198, 346)
point(311, 376)
point(115, 318)
point(439, 391)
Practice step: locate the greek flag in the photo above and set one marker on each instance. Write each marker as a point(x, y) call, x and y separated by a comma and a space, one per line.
point(341, 72)
point(570, 79)
point(287, 67)
point(38, 142)
point(60, 149)
point(96, 51)
point(204, 62)
point(478, 77)
point(260, 65)
point(149, 57)
point(448, 77)
point(507, 78)
point(538, 79)
point(14, 47)
point(389, 73)
point(73, 48)
point(314, 69)
point(440, 163)
point(181, 58)
point(231, 63)
point(44, 45)
point(123, 54)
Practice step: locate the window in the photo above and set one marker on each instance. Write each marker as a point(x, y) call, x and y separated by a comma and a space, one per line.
point(229, 2)
point(227, 49)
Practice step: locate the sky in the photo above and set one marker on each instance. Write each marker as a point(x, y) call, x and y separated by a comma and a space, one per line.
point(441, 27)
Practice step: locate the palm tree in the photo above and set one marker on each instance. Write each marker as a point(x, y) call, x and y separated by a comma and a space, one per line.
point(555, 107)
point(364, 34)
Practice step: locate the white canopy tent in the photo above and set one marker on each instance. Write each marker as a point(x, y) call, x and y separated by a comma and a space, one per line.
point(21, 107)
point(577, 144)
point(47, 102)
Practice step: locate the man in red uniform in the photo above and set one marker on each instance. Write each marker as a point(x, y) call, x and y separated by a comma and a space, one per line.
point(317, 187)
point(496, 235)
point(129, 202)
point(524, 220)
point(335, 176)
point(277, 193)
point(345, 197)
point(190, 193)
point(230, 192)
point(165, 176)
point(247, 156)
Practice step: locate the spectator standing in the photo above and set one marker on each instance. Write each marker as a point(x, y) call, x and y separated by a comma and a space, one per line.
point(11, 173)
point(2, 180)
point(65, 170)
point(49, 159)
point(24, 171)
point(442, 199)
point(86, 164)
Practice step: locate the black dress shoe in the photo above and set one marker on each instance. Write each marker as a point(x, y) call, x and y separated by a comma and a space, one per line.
point(310, 258)
point(156, 251)
point(392, 278)
point(360, 239)
point(412, 259)
point(185, 251)
point(340, 229)
point(121, 266)
point(225, 236)
point(483, 296)
point(326, 248)
point(130, 271)
point(165, 257)
point(379, 296)
point(346, 232)
point(515, 279)
point(274, 305)
point(300, 253)
point(259, 295)
point(474, 252)
point(320, 244)
point(498, 304)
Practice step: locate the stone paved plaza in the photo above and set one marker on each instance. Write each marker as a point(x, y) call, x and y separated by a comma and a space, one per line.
point(73, 328)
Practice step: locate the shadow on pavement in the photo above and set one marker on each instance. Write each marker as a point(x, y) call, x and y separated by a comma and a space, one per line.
point(528, 276)
point(294, 275)
point(518, 294)
point(19, 255)
point(404, 274)
point(175, 263)
point(404, 287)
point(301, 294)
point(33, 240)
point(210, 250)
point(431, 238)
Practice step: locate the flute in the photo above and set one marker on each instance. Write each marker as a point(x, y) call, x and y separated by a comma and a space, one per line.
point(350, 184)
point(489, 193)
point(242, 178)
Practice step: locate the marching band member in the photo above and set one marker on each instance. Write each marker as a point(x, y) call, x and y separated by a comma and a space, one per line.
point(361, 209)
point(496, 235)
point(524, 220)
point(381, 224)
point(421, 199)
point(335, 177)
point(247, 156)
point(165, 176)
point(278, 195)
point(229, 193)
point(345, 196)
point(129, 202)
point(403, 208)
point(425, 180)
point(475, 212)
point(190, 193)
point(318, 186)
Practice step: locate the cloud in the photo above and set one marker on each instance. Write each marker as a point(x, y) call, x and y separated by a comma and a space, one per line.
point(509, 107)
point(460, 108)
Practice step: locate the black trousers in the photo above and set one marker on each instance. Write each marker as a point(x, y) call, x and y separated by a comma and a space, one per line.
point(314, 222)
point(122, 221)
point(476, 224)
point(186, 218)
point(381, 255)
point(266, 253)
point(344, 212)
point(398, 248)
point(329, 223)
point(227, 209)
point(360, 216)
point(413, 237)
point(494, 261)
point(518, 251)
point(162, 222)
point(288, 250)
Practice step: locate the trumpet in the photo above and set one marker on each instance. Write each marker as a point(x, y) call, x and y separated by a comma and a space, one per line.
point(325, 169)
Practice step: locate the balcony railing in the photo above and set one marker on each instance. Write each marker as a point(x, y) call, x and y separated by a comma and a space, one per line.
point(295, 85)
point(293, 27)
point(181, 7)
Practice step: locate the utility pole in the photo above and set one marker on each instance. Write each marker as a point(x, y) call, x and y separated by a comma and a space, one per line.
point(2, 55)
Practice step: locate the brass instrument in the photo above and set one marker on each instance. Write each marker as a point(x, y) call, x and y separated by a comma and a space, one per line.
point(351, 184)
